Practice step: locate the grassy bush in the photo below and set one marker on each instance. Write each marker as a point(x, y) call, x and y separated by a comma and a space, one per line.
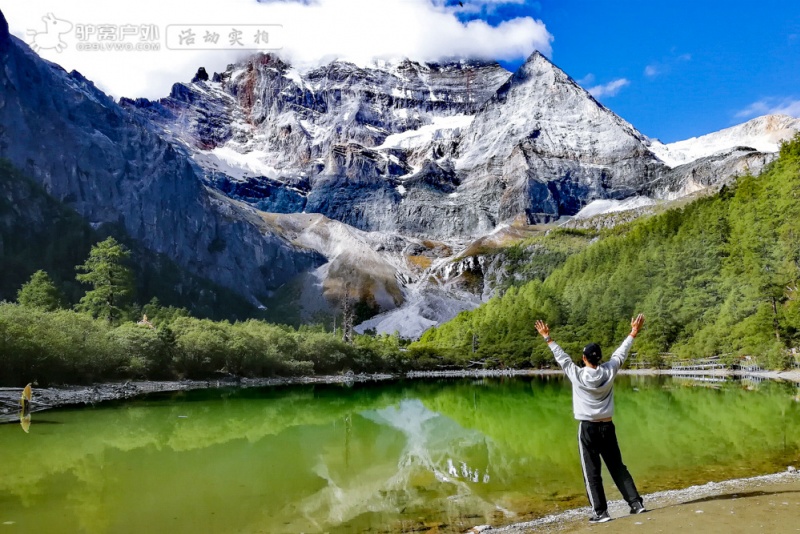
point(66, 347)
point(55, 347)
point(151, 351)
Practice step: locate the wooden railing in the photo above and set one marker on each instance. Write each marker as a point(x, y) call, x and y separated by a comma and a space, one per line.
point(701, 364)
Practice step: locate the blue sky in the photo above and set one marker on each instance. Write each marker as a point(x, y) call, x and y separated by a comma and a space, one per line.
point(691, 67)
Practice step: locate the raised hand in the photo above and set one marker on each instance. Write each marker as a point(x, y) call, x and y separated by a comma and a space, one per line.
point(636, 324)
point(542, 328)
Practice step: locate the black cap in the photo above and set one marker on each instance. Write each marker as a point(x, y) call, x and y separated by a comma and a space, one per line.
point(593, 353)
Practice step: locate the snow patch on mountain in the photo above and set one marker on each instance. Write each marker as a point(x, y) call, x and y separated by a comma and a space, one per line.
point(237, 165)
point(764, 134)
point(440, 128)
point(599, 207)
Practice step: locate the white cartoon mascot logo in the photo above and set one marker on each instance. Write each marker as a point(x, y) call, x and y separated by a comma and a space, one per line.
point(51, 37)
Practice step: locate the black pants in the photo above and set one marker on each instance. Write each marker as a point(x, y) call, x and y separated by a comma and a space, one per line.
point(596, 440)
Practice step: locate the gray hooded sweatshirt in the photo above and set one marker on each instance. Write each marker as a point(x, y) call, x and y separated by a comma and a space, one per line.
point(592, 389)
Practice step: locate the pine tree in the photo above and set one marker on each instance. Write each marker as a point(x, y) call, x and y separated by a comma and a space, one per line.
point(111, 279)
point(40, 292)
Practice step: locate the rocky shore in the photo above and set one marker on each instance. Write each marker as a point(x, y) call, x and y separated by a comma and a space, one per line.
point(53, 397)
point(767, 503)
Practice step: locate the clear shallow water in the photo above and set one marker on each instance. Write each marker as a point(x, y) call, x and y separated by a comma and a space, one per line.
point(389, 457)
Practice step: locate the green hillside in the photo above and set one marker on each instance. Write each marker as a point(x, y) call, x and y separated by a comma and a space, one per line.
point(715, 277)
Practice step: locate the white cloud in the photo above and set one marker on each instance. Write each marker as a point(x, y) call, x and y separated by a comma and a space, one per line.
point(316, 31)
point(608, 89)
point(586, 80)
point(771, 106)
point(666, 65)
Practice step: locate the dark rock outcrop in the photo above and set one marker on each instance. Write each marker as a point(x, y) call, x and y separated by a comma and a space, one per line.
point(200, 76)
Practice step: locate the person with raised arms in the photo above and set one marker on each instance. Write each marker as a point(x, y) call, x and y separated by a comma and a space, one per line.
point(593, 406)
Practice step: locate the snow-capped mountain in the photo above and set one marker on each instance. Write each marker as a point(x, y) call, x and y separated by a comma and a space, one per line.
point(763, 134)
point(348, 142)
point(430, 150)
point(438, 151)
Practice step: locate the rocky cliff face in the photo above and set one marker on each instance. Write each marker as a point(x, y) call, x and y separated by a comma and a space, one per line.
point(113, 168)
point(707, 172)
point(370, 147)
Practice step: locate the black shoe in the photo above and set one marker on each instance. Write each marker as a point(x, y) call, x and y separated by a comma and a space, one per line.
point(638, 508)
point(600, 518)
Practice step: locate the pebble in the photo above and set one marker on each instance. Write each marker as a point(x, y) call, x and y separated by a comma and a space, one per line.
point(698, 511)
point(792, 469)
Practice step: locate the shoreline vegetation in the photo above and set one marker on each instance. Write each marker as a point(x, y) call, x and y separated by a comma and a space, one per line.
point(60, 347)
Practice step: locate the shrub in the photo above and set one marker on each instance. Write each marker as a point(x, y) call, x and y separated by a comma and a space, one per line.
point(55, 347)
point(202, 346)
point(150, 350)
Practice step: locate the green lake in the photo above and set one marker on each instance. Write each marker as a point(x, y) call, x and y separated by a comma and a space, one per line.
point(384, 457)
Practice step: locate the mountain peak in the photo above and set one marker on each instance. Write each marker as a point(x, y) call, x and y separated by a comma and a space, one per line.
point(4, 35)
point(535, 56)
point(539, 60)
point(535, 66)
